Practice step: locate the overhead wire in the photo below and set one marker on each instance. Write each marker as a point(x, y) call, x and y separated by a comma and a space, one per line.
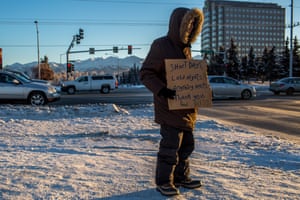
point(47, 21)
point(138, 2)
point(99, 22)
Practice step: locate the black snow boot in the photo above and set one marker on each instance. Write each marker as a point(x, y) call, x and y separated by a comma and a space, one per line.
point(189, 183)
point(168, 190)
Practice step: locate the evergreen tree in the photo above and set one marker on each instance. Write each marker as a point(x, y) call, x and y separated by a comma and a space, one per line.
point(134, 78)
point(131, 77)
point(212, 66)
point(232, 61)
point(220, 61)
point(285, 60)
point(271, 70)
point(216, 62)
point(262, 67)
point(243, 69)
point(251, 67)
point(296, 58)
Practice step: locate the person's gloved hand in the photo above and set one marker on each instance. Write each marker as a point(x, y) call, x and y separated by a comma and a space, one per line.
point(167, 93)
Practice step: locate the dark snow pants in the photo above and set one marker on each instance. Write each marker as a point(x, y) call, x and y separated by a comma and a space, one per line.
point(173, 156)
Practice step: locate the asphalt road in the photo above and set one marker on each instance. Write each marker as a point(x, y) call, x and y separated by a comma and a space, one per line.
point(267, 113)
point(270, 115)
point(121, 96)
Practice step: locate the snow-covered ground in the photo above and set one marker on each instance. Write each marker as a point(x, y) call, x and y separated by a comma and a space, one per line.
point(94, 152)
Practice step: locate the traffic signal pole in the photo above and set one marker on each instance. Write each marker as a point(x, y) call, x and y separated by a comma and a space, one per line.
point(67, 56)
point(76, 38)
point(115, 49)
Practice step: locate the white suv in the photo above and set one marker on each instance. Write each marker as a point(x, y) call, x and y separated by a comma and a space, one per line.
point(102, 83)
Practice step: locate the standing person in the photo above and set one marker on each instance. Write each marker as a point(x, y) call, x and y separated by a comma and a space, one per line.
point(176, 126)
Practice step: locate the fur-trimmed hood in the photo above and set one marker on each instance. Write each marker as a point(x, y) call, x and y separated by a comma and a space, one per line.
point(179, 22)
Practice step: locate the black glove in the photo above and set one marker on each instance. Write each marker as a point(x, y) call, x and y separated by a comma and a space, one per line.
point(167, 93)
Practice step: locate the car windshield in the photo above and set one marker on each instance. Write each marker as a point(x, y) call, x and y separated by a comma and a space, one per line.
point(25, 76)
point(22, 78)
point(285, 80)
point(230, 81)
point(20, 74)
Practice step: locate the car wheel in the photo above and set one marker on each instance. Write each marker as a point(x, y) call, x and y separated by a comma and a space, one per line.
point(105, 90)
point(276, 93)
point(290, 91)
point(71, 90)
point(37, 99)
point(246, 94)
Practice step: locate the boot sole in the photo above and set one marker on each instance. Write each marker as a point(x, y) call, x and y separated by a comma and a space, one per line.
point(187, 186)
point(165, 193)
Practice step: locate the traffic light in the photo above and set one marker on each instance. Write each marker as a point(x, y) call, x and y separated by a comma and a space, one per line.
point(115, 50)
point(129, 49)
point(77, 39)
point(70, 67)
point(92, 50)
point(81, 33)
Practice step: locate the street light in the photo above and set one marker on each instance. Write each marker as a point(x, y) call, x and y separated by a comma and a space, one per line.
point(38, 47)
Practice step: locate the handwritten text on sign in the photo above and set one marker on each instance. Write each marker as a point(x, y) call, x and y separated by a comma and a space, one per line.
point(189, 79)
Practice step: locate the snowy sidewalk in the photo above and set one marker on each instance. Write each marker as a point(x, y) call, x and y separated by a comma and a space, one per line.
point(93, 152)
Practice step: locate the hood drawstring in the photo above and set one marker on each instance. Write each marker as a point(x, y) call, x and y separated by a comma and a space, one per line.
point(187, 52)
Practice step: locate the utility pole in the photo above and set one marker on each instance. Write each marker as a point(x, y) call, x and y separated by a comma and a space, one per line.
point(291, 39)
point(38, 47)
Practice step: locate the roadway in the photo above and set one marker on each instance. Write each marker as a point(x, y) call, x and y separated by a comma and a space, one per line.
point(267, 113)
point(121, 96)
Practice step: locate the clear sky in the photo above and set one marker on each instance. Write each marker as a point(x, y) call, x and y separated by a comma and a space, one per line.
point(106, 23)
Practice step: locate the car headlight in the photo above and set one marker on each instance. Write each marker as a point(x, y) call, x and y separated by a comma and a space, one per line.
point(51, 90)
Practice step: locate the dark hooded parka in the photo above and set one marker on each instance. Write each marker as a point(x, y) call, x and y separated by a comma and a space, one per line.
point(175, 45)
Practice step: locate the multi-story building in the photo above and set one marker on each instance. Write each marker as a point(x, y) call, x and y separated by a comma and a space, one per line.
point(249, 24)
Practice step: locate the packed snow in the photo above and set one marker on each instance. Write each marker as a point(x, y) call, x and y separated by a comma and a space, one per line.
point(103, 151)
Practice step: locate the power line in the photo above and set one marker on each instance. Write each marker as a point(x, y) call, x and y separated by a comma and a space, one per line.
point(82, 45)
point(93, 22)
point(118, 23)
point(139, 2)
point(64, 45)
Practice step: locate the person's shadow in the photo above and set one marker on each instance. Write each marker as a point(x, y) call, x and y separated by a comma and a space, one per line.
point(146, 194)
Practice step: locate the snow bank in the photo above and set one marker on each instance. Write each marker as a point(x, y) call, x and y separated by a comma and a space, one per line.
point(98, 152)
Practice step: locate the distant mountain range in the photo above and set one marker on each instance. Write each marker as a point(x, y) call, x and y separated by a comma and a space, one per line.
point(107, 65)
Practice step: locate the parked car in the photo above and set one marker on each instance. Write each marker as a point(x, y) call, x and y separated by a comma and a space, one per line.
point(102, 83)
point(288, 85)
point(19, 73)
point(23, 75)
point(17, 88)
point(227, 87)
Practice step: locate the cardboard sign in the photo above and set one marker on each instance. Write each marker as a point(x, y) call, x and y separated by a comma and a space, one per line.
point(189, 79)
